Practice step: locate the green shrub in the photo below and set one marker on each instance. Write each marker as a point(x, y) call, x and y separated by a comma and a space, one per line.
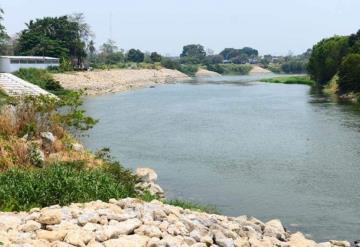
point(63, 184)
point(290, 80)
point(193, 206)
point(170, 63)
point(41, 78)
point(349, 74)
point(216, 68)
point(236, 69)
point(189, 69)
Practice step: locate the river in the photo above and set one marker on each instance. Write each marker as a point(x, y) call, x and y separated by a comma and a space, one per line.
point(266, 150)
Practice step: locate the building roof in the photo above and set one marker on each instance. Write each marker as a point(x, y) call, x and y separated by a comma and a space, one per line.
point(28, 57)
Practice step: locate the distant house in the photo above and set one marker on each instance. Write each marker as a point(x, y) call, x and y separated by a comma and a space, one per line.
point(9, 64)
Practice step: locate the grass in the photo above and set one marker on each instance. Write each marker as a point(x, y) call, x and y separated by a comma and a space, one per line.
point(42, 78)
point(3, 98)
point(235, 69)
point(211, 209)
point(63, 183)
point(290, 80)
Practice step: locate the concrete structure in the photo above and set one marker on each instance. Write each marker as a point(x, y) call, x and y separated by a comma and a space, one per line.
point(14, 86)
point(9, 64)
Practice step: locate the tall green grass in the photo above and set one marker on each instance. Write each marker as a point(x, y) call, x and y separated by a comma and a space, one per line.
point(290, 80)
point(63, 184)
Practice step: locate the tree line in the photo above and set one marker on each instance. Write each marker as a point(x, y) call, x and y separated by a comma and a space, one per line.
point(337, 58)
point(70, 38)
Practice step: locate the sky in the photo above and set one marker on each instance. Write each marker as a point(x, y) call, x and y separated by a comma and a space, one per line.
point(272, 26)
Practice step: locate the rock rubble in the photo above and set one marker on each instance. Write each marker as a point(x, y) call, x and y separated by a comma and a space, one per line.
point(135, 223)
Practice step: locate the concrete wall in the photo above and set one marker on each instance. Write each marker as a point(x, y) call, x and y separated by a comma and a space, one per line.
point(7, 67)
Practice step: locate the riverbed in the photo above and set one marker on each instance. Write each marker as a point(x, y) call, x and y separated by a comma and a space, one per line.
point(261, 149)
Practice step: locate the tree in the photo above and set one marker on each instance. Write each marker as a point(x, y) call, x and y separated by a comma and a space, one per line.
point(250, 52)
point(349, 73)
point(110, 53)
point(193, 53)
point(214, 59)
point(326, 58)
point(240, 59)
point(155, 57)
point(91, 48)
point(135, 55)
point(3, 35)
point(239, 55)
point(61, 37)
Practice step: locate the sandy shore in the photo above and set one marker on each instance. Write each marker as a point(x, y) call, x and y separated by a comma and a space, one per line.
point(117, 80)
point(258, 70)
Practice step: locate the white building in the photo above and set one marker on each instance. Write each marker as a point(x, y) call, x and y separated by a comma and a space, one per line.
point(9, 64)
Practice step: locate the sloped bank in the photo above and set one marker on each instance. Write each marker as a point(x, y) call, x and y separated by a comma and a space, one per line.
point(117, 80)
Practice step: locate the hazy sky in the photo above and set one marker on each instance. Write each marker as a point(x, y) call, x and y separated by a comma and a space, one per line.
point(271, 26)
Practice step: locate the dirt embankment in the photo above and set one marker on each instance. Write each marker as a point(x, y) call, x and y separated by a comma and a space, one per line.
point(258, 70)
point(206, 73)
point(117, 80)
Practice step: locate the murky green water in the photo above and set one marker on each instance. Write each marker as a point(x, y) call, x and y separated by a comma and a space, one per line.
point(267, 150)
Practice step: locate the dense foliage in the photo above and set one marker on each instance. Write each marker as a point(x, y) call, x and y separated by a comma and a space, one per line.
point(239, 56)
point(290, 80)
point(62, 37)
point(42, 78)
point(135, 55)
point(337, 57)
point(63, 184)
point(326, 58)
point(194, 54)
point(3, 35)
point(349, 74)
point(155, 57)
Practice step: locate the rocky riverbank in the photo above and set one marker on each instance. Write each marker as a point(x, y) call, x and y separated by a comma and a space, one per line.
point(135, 223)
point(117, 80)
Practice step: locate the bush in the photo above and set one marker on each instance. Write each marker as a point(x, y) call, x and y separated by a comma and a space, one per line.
point(170, 63)
point(349, 74)
point(41, 78)
point(290, 80)
point(63, 184)
point(236, 69)
point(189, 69)
point(216, 68)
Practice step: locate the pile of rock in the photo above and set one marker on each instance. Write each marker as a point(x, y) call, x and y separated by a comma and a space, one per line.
point(147, 182)
point(134, 223)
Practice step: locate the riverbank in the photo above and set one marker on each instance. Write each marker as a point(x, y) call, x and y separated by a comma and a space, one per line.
point(135, 223)
point(117, 80)
point(290, 80)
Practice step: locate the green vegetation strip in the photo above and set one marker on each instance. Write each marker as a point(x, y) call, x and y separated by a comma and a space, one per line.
point(290, 80)
point(63, 184)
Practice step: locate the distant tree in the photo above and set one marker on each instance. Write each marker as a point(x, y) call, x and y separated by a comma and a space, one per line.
point(3, 35)
point(250, 52)
point(349, 74)
point(229, 53)
point(242, 58)
point(134, 55)
point(155, 57)
point(53, 36)
point(170, 63)
point(92, 49)
point(326, 58)
point(239, 55)
point(193, 53)
point(110, 53)
point(214, 59)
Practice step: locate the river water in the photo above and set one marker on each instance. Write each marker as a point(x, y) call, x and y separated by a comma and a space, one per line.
point(266, 150)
